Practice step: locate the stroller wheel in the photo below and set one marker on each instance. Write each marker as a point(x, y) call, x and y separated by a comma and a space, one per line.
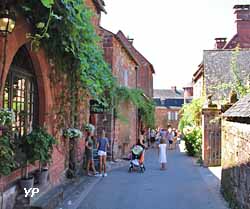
point(142, 169)
point(130, 169)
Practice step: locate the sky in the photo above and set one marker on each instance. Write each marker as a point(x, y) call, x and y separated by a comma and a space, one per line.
point(172, 34)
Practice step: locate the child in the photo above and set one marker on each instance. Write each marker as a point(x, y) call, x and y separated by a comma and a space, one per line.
point(162, 152)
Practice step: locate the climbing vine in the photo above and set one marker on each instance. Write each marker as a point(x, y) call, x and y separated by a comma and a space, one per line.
point(142, 102)
point(237, 84)
point(64, 29)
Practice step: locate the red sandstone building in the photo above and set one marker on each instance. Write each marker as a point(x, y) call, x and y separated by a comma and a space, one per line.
point(124, 67)
point(33, 69)
point(132, 70)
point(129, 66)
point(168, 104)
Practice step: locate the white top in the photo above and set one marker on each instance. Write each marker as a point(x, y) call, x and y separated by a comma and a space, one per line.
point(162, 153)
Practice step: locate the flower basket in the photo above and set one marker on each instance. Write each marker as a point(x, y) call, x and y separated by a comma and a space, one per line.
point(72, 133)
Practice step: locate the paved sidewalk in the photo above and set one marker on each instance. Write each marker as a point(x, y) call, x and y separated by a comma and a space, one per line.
point(85, 184)
point(210, 175)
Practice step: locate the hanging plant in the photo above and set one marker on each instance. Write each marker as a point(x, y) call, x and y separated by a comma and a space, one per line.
point(72, 133)
point(65, 30)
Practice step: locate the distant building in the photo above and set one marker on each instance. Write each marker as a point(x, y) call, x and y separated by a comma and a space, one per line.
point(215, 68)
point(188, 92)
point(168, 104)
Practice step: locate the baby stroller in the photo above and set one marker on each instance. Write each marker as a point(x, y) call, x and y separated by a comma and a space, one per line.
point(137, 158)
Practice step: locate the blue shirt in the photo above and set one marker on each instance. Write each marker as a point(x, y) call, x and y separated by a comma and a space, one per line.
point(102, 144)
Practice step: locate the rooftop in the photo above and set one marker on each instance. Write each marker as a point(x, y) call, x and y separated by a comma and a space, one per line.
point(240, 109)
point(168, 93)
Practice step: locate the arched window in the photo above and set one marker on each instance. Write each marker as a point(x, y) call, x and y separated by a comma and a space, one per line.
point(20, 93)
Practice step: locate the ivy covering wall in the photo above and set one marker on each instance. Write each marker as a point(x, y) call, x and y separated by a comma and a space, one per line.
point(64, 29)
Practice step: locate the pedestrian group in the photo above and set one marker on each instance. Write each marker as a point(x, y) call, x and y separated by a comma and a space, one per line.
point(161, 138)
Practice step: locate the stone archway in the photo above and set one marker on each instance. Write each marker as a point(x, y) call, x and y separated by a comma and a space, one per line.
point(41, 67)
point(16, 40)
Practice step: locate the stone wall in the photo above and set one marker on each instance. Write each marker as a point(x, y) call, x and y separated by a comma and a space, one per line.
point(217, 70)
point(235, 182)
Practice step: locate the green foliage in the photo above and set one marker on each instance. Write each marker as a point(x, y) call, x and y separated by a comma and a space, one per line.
point(7, 156)
point(190, 126)
point(237, 84)
point(65, 30)
point(193, 140)
point(191, 114)
point(47, 3)
point(136, 96)
point(6, 117)
point(38, 145)
point(71, 42)
point(72, 133)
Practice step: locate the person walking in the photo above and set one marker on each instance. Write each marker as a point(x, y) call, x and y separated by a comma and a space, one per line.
point(170, 138)
point(141, 141)
point(102, 146)
point(152, 137)
point(162, 152)
point(89, 144)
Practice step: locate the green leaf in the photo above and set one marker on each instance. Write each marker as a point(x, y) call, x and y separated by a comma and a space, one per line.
point(40, 25)
point(47, 3)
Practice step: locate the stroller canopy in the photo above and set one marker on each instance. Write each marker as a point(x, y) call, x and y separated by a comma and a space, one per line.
point(137, 149)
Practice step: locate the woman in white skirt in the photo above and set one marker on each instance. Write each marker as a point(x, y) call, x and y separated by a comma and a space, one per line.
point(162, 152)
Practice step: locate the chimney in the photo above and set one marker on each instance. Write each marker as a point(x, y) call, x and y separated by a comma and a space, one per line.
point(173, 88)
point(220, 43)
point(243, 24)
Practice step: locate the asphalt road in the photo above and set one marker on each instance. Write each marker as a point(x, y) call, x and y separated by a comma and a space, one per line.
point(181, 186)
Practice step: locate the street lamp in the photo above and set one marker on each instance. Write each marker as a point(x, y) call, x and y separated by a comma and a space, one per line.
point(7, 25)
point(7, 22)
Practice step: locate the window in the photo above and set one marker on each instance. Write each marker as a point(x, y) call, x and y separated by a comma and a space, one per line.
point(125, 76)
point(172, 115)
point(20, 94)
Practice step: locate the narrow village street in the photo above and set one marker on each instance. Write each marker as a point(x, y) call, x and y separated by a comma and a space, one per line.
point(181, 186)
point(86, 85)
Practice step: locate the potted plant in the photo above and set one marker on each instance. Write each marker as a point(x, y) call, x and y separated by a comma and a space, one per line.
point(7, 155)
point(38, 145)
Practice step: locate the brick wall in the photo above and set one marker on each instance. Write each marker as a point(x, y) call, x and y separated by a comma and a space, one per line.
point(51, 87)
point(161, 117)
point(96, 15)
point(235, 182)
point(124, 133)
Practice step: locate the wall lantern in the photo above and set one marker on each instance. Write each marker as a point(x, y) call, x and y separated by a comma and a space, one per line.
point(7, 25)
point(7, 22)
